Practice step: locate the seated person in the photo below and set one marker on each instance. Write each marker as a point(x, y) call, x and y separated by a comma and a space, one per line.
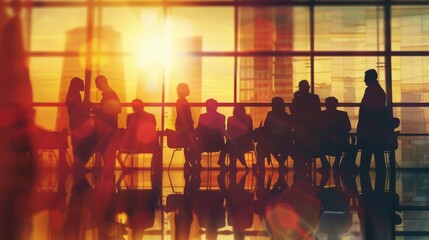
point(305, 110)
point(211, 128)
point(335, 127)
point(277, 139)
point(140, 135)
point(239, 137)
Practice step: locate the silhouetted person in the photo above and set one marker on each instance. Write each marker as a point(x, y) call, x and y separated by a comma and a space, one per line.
point(211, 128)
point(277, 139)
point(336, 217)
point(140, 206)
point(81, 127)
point(185, 127)
point(79, 208)
point(372, 123)
point(305, 110)
point(183, 205)
point(335, 127)
point(210, 210)
point(141, 133)
point(377, 208)
point(239, 203)
point(238, 137)
point(105, 209)
point(106, 122)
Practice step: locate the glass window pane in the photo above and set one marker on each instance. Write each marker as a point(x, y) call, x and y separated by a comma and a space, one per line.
point(413, 151)
point(410, 76)
point(130, 76)
point(207, 78)
point(413, 119)
point(136, 30)
point(214, 25)
point(273, 28)
point(262, 78)
point(410, 31)
point(58, 29)
point(46, 117)
point(50, 79)
point(349, 28)
point(343, 77)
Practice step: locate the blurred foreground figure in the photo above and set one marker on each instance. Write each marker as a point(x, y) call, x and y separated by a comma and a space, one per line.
point(16, 127)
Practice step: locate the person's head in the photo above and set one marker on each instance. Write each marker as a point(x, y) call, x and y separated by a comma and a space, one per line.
point(331, 103)
point(239, 110)
point(182, 90)
point(211, 105)
point(137, 105)
point(277, 104)
point(303, 86)
point(371, 77)
point(76, 85)
point(101, 82)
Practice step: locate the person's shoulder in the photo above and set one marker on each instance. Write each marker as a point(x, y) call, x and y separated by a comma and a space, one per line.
point(220, 115)
point(315, 96)
point(182, 101)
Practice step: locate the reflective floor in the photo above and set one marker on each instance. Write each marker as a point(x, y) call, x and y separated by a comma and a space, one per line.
point(210, 204)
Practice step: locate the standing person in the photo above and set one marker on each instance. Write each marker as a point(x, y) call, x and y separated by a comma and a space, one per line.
point(106, 122)
point(81, 127)
point(372, 123)
point(185, 126)
point(305, 110)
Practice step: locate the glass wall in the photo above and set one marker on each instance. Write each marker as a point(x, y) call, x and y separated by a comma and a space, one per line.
point(234, 51)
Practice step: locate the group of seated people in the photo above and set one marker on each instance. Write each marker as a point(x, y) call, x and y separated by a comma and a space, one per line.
point(305, 134)
point(278, 137)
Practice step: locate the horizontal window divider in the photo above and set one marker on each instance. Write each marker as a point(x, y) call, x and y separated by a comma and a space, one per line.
point(405, 104)
point(412, 233)
point(238, 3)
point(249, 53)
point(254, 3)
point(229, 104)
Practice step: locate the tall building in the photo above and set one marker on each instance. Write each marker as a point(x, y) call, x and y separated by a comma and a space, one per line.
point(110, 66)
point(262, 78)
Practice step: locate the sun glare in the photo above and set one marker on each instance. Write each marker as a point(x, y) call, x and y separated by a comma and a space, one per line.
point(156, 48)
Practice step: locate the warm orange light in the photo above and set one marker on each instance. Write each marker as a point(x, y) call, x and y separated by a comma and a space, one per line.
point(97, 47)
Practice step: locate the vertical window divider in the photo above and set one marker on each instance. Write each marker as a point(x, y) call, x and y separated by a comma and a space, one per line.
point(235, 50)
point(312, 21)
point(388, 74)
point(88, 56)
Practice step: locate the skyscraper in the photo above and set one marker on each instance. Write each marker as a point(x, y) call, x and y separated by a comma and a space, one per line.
point(110, 66)
point(262, 78)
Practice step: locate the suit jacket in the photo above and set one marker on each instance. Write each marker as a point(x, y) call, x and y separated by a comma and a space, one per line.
point(211, 131)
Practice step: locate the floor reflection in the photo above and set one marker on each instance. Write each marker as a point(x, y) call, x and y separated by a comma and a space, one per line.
point(210, 204)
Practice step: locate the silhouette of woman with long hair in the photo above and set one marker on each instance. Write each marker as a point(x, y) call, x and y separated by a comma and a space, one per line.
point(185, 126)
point(80, 124)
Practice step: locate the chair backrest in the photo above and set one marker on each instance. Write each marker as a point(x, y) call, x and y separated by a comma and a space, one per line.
point(210, 140)
point(137, 142)
point(172, 139)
